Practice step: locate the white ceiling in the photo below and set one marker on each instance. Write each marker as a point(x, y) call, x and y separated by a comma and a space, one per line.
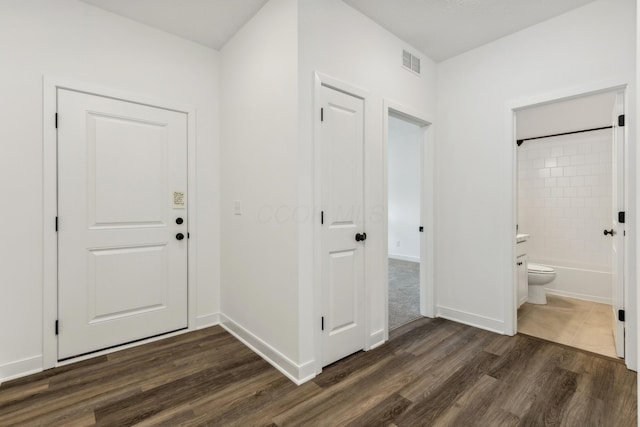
point(439, 28)
point(445, 28)
point(208, 22)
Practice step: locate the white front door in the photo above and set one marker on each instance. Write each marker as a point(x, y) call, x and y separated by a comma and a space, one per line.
point(342, 194)
point(122, 218)
point(618, 227)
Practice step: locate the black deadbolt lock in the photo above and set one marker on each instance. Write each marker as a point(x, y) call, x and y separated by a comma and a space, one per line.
point(179, 236)
point(179, 220)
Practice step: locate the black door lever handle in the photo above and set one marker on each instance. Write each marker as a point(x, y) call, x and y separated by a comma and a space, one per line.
point(611, 232)
point(361, 237)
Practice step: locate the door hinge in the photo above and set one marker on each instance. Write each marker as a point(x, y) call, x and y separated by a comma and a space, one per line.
point(56, 120)
point(621, 217)
point(188, 236)
point(322, 323)
point(56, 224)
point(621, 120)
point(321, 217)
point(421, 229)
point(621, 315)
point(57, 327)
point(322, 114)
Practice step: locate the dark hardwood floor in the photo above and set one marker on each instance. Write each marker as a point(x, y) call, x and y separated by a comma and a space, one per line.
point(431, 373)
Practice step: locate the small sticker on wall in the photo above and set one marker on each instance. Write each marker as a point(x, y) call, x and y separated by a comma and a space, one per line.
point(179, 200)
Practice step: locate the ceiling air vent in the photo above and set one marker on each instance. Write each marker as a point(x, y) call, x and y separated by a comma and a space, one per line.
point(410, 61)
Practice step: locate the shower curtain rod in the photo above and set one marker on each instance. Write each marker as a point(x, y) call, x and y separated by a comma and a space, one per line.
point(520, 141)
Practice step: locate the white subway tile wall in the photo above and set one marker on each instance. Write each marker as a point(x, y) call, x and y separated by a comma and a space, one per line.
point(564, 199)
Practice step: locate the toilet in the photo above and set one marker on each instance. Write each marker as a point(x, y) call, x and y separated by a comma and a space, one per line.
point(538, 276)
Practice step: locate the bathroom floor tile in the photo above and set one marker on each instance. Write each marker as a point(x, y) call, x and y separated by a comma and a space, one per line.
point(598, 308)
point(582, 324)
point(575, 306)
point(606, 350)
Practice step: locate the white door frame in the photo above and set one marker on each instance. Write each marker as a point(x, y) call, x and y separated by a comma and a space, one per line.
point(321, 80)
point(620, 204)
point(50, 202)
point(511, 303)
point(427, 197)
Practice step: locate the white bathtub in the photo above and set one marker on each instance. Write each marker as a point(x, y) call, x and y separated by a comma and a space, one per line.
point(580, 283)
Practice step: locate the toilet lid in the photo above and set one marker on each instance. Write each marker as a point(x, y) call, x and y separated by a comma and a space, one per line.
point(537, 268)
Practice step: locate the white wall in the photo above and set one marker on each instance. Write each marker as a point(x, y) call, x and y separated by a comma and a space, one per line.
point(585, 112)
point(77, 42)
point(565, 199)
point(338, 41)
point(267, 290)
point(405, 140)
point(259, 290)
point(475, 197)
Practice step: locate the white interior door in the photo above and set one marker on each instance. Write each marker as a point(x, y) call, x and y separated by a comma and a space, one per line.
point(342, 194)
point(122, 182)
point(618, 227)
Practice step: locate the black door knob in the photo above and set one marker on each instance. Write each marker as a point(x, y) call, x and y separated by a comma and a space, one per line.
point(179, 220)
point(611, 232)
point(179, 236)
point(361, 237)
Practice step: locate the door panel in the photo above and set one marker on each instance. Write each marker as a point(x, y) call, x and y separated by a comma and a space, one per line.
point(122, 274)
point(342, 272)
point(342, 142)
point(113, 160)
point(110, 278)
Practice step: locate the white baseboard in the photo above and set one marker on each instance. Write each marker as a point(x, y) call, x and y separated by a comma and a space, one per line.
point(20, 368)
point(584, 297)
point(297, 373)
point(405, 257)
point(482, 322)
point(376, 339)
point(306, 372)
point(207, 320)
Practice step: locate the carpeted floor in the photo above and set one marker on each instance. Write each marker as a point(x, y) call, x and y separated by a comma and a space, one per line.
point(404, 292)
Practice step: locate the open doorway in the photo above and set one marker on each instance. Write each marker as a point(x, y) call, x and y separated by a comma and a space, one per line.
point(405, 147)
point(570, 185)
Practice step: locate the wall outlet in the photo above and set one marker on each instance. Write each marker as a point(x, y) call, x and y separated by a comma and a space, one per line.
point(398, 244)
point(237, 207)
